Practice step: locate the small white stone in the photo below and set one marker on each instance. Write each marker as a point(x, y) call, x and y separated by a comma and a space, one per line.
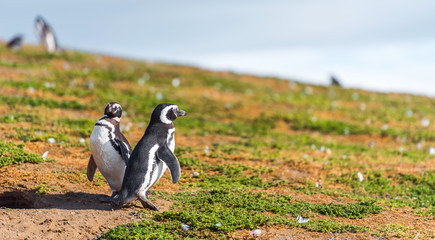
point(308, 90)
point(343, 156)
point(218, 224)
point(44, 156)
point(432, 151)
point(31, 90)
point(409, 113)
point(175, 82)
point(185, 227)
point(372, 144)
point(12, 117)
point(346, 131)
point(355, 96)
point(401, 149)
point(317, 185)
point(159, 96)
point(360, 176)
point(418, 145)
point(206, 150)
point(301, 219)
point(141, 81)
point(425, 122)
point(256, 232)
point(385, 127)
point(313, 119)
point(51, 140)
point(82, 140)
point(362, 106)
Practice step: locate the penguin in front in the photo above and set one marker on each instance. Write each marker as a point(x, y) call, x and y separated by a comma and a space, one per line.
point(150, 158)
point(15, 42)
point(46, 34)
point(110, 149)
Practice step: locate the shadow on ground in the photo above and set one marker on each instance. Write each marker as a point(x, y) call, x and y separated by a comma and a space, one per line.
point(28, 199)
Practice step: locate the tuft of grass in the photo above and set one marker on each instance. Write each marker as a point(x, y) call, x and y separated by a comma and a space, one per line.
point(12, 153)
point(43, 189)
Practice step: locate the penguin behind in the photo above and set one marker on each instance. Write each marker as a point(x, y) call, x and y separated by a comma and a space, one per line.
point(15, 42)
point(150, 158)
point(110, 149)
point(46, 35)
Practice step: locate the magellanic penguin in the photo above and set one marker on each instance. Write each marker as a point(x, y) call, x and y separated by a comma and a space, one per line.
point(110, 149)
point(46, 34)
point(15, 42)
point(150, 158)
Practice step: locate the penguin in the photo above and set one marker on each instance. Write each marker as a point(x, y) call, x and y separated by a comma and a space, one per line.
point(110, 149)
point(335, 82)
point(46, 34)
point(15, 42)
point(149, 160)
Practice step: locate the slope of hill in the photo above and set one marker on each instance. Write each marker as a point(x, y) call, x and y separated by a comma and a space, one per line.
point(255, 154)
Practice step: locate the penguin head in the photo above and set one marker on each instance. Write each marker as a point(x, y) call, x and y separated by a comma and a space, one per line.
point(39, 20)
point(113, 110)
point(166, 113)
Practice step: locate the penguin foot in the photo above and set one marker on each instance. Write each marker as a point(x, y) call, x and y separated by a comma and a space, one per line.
point(148, 204)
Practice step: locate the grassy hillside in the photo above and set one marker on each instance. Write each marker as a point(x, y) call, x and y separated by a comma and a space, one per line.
point(255, 152)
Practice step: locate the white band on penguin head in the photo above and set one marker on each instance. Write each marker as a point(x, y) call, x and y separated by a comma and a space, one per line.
point(164, 112)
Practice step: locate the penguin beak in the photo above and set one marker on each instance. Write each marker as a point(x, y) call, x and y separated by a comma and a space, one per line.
point(180, 113)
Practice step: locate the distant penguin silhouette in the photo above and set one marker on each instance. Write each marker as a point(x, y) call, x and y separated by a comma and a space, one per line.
point(15, 42)
point(335, 82)
point(46, 34)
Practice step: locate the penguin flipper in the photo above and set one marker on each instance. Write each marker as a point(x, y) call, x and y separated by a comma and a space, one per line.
point(166, 155)
point(125, 153)
point(92, 168)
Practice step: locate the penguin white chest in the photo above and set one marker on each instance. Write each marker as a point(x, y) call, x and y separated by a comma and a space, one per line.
point(171, 139)
point(50, 42)
point(106, 157)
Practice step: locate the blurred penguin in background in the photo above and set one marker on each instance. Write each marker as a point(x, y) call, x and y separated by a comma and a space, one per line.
point(335, 82)
point(45, 34)
point(15, 42)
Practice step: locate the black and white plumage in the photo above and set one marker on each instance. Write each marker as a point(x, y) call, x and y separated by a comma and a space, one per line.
point(110, 149)
point(15, 42)
point(150, 158)
point(46, 34)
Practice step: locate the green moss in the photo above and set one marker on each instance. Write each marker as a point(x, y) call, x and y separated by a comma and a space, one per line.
point(24, 100)
point(12, 153)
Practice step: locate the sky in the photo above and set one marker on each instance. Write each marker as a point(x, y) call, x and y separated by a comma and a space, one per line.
point(376, 45)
